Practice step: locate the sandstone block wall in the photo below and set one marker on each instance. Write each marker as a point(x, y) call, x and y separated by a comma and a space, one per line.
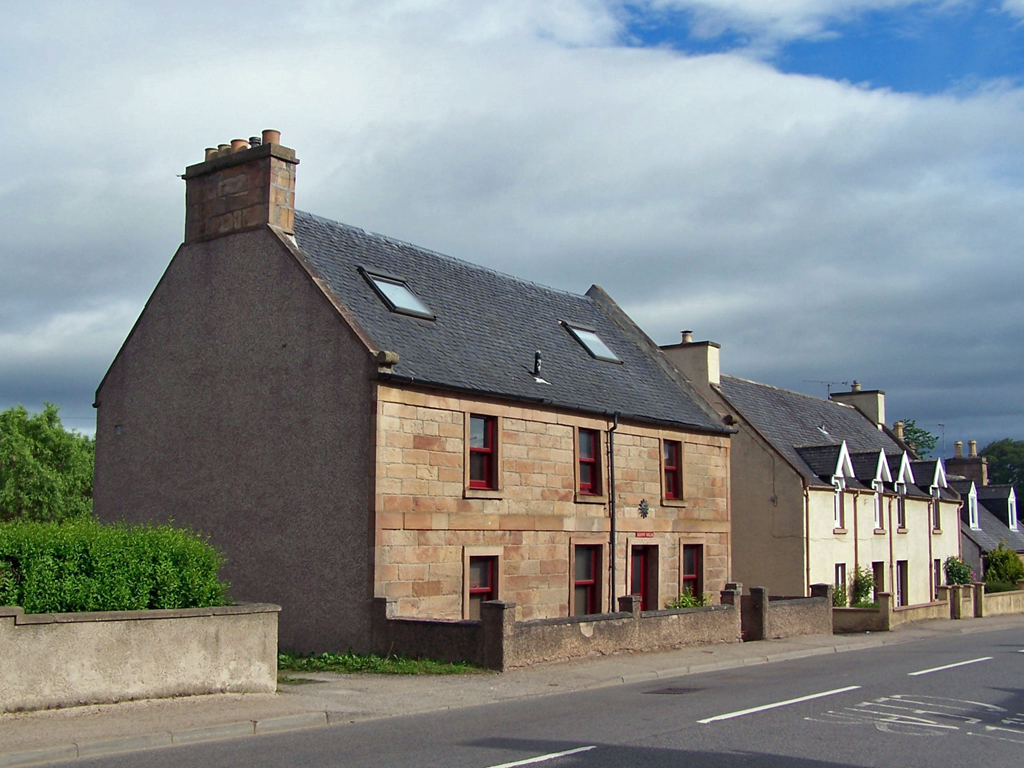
point(428, 522)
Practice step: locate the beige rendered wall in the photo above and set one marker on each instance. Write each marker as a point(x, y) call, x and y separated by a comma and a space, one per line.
point(58, 660)
point(768, 520)
point(241, 405)
point(428, 521)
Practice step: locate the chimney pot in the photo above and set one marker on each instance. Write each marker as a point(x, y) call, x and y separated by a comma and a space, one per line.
point(855, 387)
point(958, 449)
point(255, 141)
point(972, 447)
point(223, 149)
point(687, 337)
point(238, 145)
point(211, 152)
point(897, 429)
point(271, 136)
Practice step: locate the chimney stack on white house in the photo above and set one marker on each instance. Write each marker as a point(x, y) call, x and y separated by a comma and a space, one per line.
point(870, 402)
point(241, 186)
point(698, 361)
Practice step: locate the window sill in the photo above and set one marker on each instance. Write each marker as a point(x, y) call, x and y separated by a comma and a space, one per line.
point(586, 498)
point(936, 531)
point(482, 493)
point(678, 503)
point(839, 530)
point(901, 530)
point(879, 531)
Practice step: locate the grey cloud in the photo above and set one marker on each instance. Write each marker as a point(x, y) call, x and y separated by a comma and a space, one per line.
point(817, 230)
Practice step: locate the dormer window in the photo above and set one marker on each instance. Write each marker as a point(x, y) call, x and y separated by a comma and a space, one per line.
point(594, 344)
point(877, 486)
point(1012, 508)
point(901, 505)
point(396, 295)
point(972, 510)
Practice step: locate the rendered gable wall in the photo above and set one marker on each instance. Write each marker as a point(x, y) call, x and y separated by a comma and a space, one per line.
point(241, 405)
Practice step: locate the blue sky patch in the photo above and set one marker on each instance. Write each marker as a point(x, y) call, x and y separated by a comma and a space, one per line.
point(909, 50)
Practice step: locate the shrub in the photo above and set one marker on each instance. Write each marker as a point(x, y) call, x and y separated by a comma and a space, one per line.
point(81, 565)
point(1002, 564)
point(689, 600)
point(839, 599)
point(862, 586)
point(957, 571)
point(999, 586)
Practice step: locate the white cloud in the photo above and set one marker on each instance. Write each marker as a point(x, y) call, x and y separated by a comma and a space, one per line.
point(817, 230)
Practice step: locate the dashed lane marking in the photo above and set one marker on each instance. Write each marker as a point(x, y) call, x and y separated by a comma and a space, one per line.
point(763, 707)
point(543, 758)
point(948, 666)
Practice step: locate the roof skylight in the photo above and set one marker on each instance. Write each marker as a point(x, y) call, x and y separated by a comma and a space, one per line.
point(593, 343)
point(397, 295)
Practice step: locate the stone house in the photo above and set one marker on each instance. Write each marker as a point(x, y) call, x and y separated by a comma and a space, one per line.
point(349, 416)
point(989, 513)
point(820, 487)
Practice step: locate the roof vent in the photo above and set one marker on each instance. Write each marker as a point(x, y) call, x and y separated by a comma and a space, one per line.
point(536, 363)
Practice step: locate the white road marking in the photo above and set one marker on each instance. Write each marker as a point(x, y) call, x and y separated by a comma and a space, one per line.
point(542, 758)
point(948, 666)
point(786, 703)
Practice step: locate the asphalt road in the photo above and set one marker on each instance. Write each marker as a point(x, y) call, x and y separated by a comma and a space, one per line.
point(953, 701)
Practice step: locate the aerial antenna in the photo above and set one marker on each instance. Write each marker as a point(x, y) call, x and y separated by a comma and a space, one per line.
point(828, 384)
point(943, 454)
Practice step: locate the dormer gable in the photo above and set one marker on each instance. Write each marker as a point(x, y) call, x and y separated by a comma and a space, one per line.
point(871, 468)
point(902, 472)
point(831, 463)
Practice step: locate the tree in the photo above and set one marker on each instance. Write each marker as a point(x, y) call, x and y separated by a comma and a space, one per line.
point(45, 470)
point(921, 440)
point(1006, 462)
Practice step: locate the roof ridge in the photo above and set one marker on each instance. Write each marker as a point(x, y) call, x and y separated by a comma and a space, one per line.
point(787, 391)
point(445, 256)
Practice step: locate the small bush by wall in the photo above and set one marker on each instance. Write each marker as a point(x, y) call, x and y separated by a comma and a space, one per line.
point(82, 565)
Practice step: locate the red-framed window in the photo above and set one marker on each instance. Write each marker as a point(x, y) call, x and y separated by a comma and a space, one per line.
point(590, 462)
point(482, 449)
point(482, 583)
point(585, 579)
point(673, 464)
point(692, 577)
point(643, 576)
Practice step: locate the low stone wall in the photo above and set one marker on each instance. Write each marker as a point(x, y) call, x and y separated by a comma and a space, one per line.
point(772, 618)
point(908, 614)
point(64, 659)
point(499, 642)
point(1000, 603)
point(845, 620)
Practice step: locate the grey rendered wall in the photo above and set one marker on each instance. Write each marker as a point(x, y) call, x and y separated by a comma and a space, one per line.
point(65, 659)
point(767, 534)
point(241, 405)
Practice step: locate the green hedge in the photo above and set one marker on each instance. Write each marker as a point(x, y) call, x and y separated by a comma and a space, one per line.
point(82, 565)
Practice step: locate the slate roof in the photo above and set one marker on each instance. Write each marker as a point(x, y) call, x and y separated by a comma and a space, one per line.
point(865, 465)
point(993, 529)
point(822, 459)
point(790, 419)
point(488, 326)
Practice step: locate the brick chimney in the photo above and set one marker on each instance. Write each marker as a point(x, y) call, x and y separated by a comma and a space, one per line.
point(870, 402)
point(698, 361)
point(973, 466)
point(239, 187)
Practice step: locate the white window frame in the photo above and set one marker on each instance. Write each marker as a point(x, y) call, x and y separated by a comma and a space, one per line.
point(972, 510)
point(1012, 507)
point(877, 486)
point(837, 503)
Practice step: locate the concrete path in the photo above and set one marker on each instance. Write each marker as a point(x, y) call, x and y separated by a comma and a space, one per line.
point(320, 699)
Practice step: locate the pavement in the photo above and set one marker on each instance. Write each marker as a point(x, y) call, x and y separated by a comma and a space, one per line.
point(313, 699)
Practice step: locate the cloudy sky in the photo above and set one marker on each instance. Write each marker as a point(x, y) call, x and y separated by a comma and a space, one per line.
point(831, 189)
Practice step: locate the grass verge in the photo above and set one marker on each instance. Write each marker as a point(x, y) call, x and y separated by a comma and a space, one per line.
point(348, 663)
